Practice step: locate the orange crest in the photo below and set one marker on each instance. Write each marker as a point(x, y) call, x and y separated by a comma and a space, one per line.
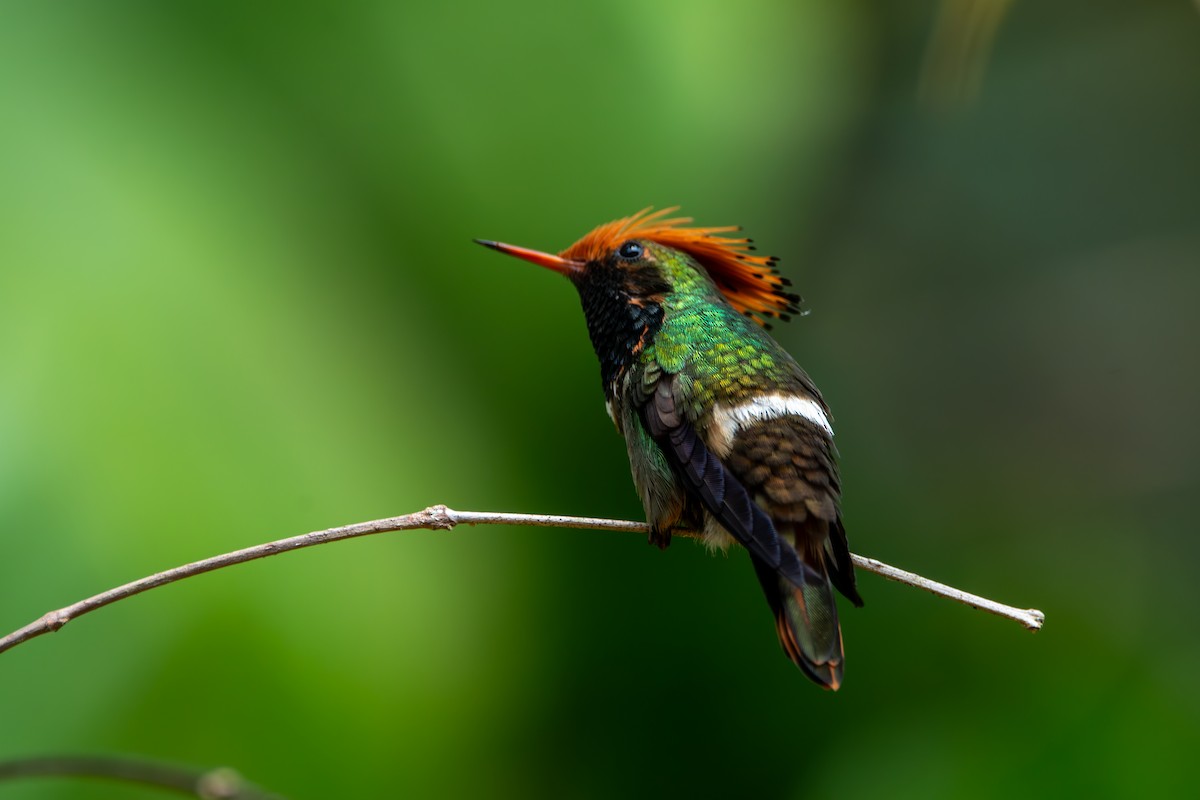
point(750, 282)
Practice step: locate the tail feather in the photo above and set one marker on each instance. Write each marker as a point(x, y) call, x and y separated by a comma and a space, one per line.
point(806, 618)
point(841, 566)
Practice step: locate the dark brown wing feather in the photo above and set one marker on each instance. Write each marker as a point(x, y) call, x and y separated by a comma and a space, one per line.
point(787, 464)
point(777, 493)
point(722, 494)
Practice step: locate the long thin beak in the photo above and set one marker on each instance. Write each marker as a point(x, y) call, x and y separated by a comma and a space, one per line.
point(559, 264)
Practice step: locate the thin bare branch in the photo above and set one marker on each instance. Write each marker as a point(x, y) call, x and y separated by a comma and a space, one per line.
point(1031, 618)
point(215, 784)
point(442, 518)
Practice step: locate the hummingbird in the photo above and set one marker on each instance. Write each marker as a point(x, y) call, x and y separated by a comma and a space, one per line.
point(727, 436)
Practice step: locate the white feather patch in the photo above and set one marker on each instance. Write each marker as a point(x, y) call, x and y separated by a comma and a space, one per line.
point(728, 421)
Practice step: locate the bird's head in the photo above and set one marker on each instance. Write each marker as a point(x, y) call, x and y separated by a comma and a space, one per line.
point(650, 254)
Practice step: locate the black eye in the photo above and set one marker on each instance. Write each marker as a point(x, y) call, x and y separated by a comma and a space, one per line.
point(630, 251)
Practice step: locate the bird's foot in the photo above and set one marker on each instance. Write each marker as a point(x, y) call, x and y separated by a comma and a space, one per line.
point(660, 537)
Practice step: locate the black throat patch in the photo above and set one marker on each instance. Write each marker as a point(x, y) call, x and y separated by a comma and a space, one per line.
point(623, 314)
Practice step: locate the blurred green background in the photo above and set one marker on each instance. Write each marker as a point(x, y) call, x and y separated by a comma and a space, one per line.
point(239, 301)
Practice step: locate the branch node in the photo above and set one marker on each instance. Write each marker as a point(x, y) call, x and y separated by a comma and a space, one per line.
point(440, 517)
point(220, 784)
point(54, 620)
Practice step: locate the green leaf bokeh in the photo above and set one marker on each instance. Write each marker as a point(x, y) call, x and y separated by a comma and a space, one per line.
point(239, 301)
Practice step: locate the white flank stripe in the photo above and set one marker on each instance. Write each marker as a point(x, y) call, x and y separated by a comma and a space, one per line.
point(770, 406)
